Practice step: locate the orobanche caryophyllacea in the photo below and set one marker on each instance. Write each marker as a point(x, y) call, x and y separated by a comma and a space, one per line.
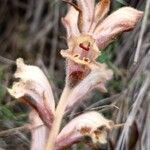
point(88, 32)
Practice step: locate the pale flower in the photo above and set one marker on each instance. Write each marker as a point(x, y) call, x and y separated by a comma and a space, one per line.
point(88, 30)
point(90, 124)
point(34, 89)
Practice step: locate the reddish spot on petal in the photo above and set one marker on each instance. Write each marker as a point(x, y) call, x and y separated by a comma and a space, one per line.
point(85, 46)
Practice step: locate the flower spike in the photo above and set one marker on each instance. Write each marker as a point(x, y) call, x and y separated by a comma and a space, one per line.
point(93, 33)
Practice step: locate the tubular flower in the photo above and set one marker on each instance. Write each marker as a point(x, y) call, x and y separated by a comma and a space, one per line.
point(90, 124)
point(88, 30)
point(33, 88)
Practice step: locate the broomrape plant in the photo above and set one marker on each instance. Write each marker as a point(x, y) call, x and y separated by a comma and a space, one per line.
point(88, 31)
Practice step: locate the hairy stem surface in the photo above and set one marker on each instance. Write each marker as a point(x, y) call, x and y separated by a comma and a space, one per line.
point(58, 117)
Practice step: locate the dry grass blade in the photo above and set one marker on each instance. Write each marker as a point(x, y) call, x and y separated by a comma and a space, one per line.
point(143, 28)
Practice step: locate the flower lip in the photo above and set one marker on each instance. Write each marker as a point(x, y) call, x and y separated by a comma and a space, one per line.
point(82, 49)
point(75, 58)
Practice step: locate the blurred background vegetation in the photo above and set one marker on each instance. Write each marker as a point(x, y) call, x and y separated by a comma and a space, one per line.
point(32, 29)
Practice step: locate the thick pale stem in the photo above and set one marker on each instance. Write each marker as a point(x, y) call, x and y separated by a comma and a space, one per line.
point(58, 118)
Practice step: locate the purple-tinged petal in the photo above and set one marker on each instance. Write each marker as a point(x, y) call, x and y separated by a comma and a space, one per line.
point(121, 20)
point(86, 14)
point(70, 22)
